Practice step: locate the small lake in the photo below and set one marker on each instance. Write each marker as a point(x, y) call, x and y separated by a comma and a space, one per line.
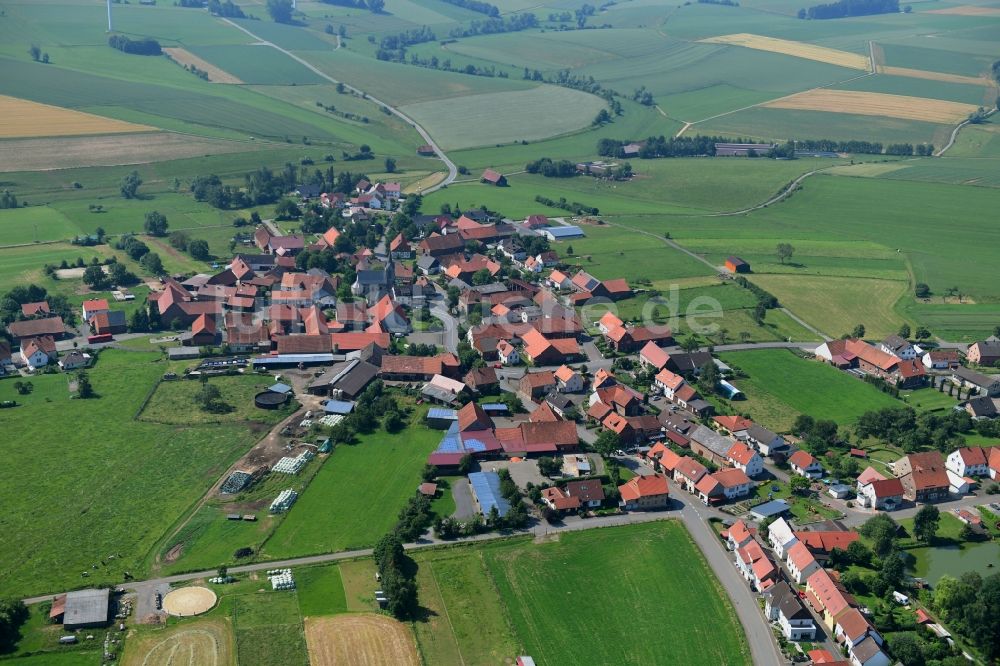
point(932, 563)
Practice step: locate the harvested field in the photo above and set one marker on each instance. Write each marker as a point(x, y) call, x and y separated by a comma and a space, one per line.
point(796, 49)
point(967, 10)
point(110, 150)
point(204, 643)
point(875, 104)
point(23, 118)
point(215, 74)
point(359, 640)
point(934, 76)
point(189, 601)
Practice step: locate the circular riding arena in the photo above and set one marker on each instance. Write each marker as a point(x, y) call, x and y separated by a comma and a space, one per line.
point(188, 601)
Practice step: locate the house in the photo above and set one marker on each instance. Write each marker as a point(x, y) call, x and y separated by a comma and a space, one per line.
point(559, 404)
point(688, 472)
point(559, 500)
point(37, 309)
point(33, 328)
point(736, 265)
point(653, 356)
point(851, 628)
point(609, 322)
point(507, 354)
point(964, 377)
point(534, 385)
point(801, 562)
point(38, 352)
point(569, 380)
point(822, 542)
point(968, 461)
point(92, 307)
point(739, 534)
point(536, 221)
point(746, 459)
point(418, 368)
point(74, 360)
point(781, 537)
point(981, 407)
point(868, 653)
point(941, 359)
point(924, 476)
point(768, 443)
point(899, 347)
point(852, 353)
point(755, 565)
point(111, 322)
point(710, 444)
point(805, 465)
point(878, 492)
point(645, 493)
point(549, 351)
point(491, 177)
point(827, 596)
point(724, 485)
point(985, 353)
point(439, 246)
point(444, 390)
point(204, 332)
point(782, 605)
point(589, 492)
point(628, 339)
point(483, 380)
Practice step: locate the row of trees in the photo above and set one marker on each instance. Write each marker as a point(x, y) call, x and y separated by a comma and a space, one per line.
point(144, 46)
point(911, 431)
point(493, 26)
point(661, 146)
point(374, 6)
point(226, 9)
point(572, 206)
point(476, 6)
point(398, 575)
point(845, 8)
point(8, 200)
point(546, 167)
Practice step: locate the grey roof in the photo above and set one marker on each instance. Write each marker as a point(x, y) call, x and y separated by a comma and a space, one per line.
point(973, 377)
point(711, 440)
point(491, 288)
point(865, 650)
point(85, 607)
point(181, 353)
point(564, 231)
point(438, 393)
point(982, 406)
point(427, 262)
point(373, 277)
point(559, 400)
point(787, 602)
point(684, 362)
point(338, 407)
point(896, 343)
point(280, 388)
point(772, 508)
point(351, 377)
point(761, 434)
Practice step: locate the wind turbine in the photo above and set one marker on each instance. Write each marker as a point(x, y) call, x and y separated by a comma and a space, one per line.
point(110, 27)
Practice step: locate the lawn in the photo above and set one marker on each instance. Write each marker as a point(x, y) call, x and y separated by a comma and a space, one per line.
point(320, 591)
point(174, 402)
point(339, 513)
point(112, 485)
point(781, 385)
point(681, 604)
point(38, 223)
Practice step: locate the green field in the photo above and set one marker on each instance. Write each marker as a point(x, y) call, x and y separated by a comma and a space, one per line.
point(681, 604)
point(174, 403)
point(336, 512)
point(258, 64)
point(269, 629)
point(100, 469)
point(780, 385)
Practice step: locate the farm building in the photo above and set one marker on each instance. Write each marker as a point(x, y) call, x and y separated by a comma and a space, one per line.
point(491, 177)
point(737, 265)
point(82, 608)
point(742, 149)
point(562, 232)
point(426, 150)
point(486, 493)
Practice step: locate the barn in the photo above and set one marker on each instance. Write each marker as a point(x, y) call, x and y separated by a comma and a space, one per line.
point(737, 265)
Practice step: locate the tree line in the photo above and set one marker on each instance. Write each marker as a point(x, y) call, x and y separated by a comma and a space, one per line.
point(494, 26)
point(476, 6)
point(845, 8)
point(8, 200)
point(546, 167)
point(227, 9)
point(144, 46)
point(572, 206)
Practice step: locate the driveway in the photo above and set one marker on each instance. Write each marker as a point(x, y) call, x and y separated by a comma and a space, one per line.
point(464, 506)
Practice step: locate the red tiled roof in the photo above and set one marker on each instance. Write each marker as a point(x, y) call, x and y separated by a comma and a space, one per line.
point(730, 478)
point(733, 423)
point(801, 459)
point(651, 485)
point(654, 355)
point(826, 541)
point(355, 341)
point(473, 417)
point(740, 453)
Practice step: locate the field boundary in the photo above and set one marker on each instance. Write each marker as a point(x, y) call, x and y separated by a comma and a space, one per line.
point(447, 614)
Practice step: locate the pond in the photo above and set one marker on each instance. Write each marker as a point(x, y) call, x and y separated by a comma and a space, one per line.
point(955, 560)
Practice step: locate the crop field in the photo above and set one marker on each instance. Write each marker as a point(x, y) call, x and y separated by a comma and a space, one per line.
point(967, 10)
point(269, 629)
point(359, 639)
point(925, 88)
point(934, 76)
point(846, 303)
point(335, 512)
point(536, 581)
point(215, 74)
point(23, 118)
point(953, 61)
point(529, 115)
point(781, 385)
point(93, 451)
point(203, 642)
point(797, 49)
point(258, 64)
point(173, 402)
point(876, 104)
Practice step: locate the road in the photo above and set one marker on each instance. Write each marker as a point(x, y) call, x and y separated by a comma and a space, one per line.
point(452, 169)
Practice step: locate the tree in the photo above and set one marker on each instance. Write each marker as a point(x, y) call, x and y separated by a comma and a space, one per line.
point(13, 614)
point(45, 58)
point(155, 224)
point(209, 399)
point(907, 650)
point(921, 290)
point(199, 249)
point(881, 530)
point(280, 10)
point(904, 331)
point(376, 6)
point(859, 331)
point(130, 184)
point(784, 251)
point(482, 276)
point(798, 484)
point(690, 344)
point(709, 376)
point(151, 263)
point(607, 443)
point(35, 52)
point(222, 571)
point(84, 388)
point(925, 523)
point(549, 466)
point(119, 275)
point(393, 422)
point(922, 333)
point(95, 278)
point(390, 165)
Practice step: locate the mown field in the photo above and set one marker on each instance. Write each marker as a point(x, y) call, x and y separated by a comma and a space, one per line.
point(174, 402)
point(112, 485)
point(781, 385)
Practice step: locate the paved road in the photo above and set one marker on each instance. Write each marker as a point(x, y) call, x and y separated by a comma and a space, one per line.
point(452, 169)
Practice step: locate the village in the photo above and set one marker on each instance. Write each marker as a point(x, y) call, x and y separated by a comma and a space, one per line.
point(549, 417)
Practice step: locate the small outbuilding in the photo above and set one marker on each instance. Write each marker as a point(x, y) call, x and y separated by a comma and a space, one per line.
point(736, 265)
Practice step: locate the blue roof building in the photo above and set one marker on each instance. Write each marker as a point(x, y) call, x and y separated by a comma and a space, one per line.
point(486, 493)
point(763, 511)
point(338, 407)
point(280, 388)
point(562, 232)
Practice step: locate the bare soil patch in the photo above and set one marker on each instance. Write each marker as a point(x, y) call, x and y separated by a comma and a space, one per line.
point(875, 104)
point(359, 640)
point(215, 74)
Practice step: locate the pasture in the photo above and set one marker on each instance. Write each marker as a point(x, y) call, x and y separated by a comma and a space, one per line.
point(876, 104)
point(320, 591)
point(207, 642)
point(22, 118)
point(336, 512)
point(519, 115)
point(269, 629)
point(359, 639)
point(174, 402)
point(110, 465)
point(781, 385)
point(535, 584)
